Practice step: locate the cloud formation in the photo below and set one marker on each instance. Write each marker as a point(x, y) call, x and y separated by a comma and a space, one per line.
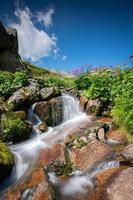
point(34, 43)
point(46, 17)
point(64, 57)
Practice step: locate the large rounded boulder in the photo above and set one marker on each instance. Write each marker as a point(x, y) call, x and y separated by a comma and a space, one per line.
point(50, 112)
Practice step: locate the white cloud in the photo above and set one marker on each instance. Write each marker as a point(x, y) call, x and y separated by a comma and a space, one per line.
point(46, 17)
point(64, 57)
point(34, 43)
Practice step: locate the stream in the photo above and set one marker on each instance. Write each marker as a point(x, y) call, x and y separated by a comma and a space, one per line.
point(26, 152)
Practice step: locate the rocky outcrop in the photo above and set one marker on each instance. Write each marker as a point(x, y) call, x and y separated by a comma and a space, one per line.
point(24, 96)
point(121, 186)
point(48, 93)
point(6, 161)
point(9, 57)
point(51, 112)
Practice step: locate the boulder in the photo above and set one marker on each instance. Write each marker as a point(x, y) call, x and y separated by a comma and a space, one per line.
point(48, 93)
point(83, 102)
point(121, 186)
point(6, 161)
point(93, 107)
point(49, 155)
point(116, 135)
point(24, 96)
point(50, 112)
point(90, 155)
point(128, 152)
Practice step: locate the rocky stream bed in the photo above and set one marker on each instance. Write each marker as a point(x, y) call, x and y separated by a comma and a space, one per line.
point(82, 158)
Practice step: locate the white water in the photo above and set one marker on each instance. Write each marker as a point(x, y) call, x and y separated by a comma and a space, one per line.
point(26, 152)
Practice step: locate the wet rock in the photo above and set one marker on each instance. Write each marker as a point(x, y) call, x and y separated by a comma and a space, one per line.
point(116, 135)
point(101, 181)
point(83, 102)
point(24, 96)
point(47, 156)
point(90, 155)
point(128, 152)
point(6, 161)
point(50, 112)
point(42, 127)
point(121, 186)
point(49, 93)
point(93, 107)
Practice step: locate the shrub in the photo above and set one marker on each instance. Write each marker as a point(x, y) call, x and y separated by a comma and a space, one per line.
point(10, 82)
point(123, 111)
point(13, 128)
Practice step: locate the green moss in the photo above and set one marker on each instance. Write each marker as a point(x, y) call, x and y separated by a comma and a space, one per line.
point(80, 143)
point(6, 161)
point(13, 128)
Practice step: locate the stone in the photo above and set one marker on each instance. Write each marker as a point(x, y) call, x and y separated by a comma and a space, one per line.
point(42, 127)
point(121, 186)
point(83, 102)
point(101, 135)
point(6, 161)
point(50, 112)
point(116, 135)
point(101, 181)
point(90, 155)
point(24, 96)
point(48, 93)
point(47, 156)
point(128, 152)
point(93, 107)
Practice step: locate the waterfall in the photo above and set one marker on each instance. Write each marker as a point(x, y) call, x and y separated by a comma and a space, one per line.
point(71, 107)
point(26, 152)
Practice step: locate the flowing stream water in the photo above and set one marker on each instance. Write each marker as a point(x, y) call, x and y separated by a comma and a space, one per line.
point(26, 152)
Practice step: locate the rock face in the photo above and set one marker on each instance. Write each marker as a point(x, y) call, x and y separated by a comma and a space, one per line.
point(9, 57)
point(90, 155)
point(48, 93)
point(51, 112)
point(121, 187)
point(6, 161)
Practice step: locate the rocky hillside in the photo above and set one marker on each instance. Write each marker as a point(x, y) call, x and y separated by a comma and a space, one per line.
point(10, 59)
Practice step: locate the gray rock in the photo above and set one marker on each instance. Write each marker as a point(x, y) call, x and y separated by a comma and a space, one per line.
point(24, 96)
point(49, 93)
point(51, 112)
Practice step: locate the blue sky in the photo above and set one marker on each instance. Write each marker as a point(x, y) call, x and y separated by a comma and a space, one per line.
point(65, 34)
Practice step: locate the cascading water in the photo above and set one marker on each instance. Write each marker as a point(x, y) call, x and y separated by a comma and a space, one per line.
point(26, 152)
point(71, 107)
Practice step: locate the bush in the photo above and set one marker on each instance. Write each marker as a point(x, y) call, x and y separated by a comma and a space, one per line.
point(123, 111)
point(100, 86)
point(82, 82)
point(13, 128)
point(10, 82)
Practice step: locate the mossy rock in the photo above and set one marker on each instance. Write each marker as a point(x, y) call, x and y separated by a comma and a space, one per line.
point(6, 161)
point(14, 129)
